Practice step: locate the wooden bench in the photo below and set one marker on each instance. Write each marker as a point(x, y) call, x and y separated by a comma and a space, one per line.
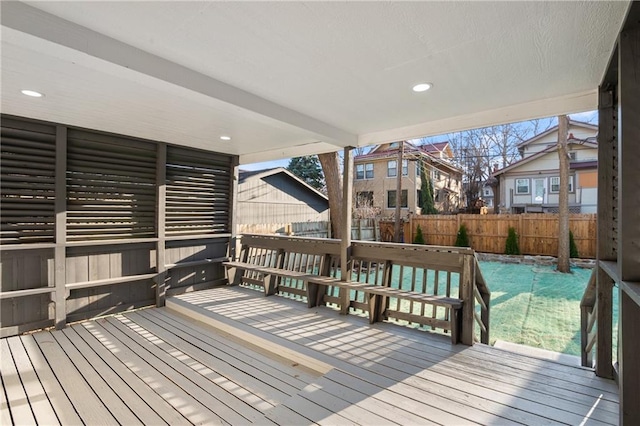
point(375, 295)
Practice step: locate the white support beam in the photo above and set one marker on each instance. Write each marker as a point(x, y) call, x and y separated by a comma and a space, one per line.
point(35, 22)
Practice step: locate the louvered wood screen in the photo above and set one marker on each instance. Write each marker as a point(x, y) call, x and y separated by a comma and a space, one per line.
point(111, 188)
point(27, 164)
point(198, 192)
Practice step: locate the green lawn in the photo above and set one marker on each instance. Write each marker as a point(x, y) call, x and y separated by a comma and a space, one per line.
point(537, 306)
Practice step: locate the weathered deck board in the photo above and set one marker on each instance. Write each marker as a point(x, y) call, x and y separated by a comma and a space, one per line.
point(155, 401)
point(179, 399)
point(85, 401)
point(159, 366)
point(477, 383)
point(104, 372)
point(228, 349)
point(59, 401)
point(40, 404)
point(18, 403)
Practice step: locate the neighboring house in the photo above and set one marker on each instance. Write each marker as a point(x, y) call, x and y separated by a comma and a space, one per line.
point(375, 176)
point(532, 184)
point(275, 196)
point(486, 195)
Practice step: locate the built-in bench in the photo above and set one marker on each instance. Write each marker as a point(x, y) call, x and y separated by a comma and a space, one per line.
point(267, 261)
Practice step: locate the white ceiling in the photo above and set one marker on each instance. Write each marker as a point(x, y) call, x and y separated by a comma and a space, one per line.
point(293, 78)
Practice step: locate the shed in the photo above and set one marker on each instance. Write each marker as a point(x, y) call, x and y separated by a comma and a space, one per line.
point(278, 196)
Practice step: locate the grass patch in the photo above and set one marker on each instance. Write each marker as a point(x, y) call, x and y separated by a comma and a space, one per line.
point(537, 306)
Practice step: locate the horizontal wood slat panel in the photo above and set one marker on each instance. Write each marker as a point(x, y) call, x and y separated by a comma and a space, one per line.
point(198, 192)
point(109, 198)
point(27, 161)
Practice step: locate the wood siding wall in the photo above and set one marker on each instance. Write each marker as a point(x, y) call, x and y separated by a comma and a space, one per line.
point(537, 233)
point(95, 223)
point(278, 199)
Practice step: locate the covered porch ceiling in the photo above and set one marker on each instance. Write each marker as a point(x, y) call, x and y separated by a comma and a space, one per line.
point(294, 78)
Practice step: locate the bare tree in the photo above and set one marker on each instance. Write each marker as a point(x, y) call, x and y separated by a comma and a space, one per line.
point(331, 169)
point(479, 151)
point(563, 200)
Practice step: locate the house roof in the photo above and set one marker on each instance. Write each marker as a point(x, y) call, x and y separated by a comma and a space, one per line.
point(265, 73)
point(553, 129)
point(435, 147)
point(429, 151)
point(542, 153)
point(244, 175)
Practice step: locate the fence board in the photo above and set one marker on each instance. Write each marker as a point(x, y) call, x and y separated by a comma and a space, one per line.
point(537, 233)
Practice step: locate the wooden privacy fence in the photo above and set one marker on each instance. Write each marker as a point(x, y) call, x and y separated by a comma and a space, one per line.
point(361, 229)
point(94, 223)
point(537, 233)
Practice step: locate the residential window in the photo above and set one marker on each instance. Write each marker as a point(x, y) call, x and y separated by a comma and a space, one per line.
point(573, 156)
point(522, 186)
point(364, 171)
point(391, 199)
point(487, 192)
point(364, 199)
point(554, 184)
point(392, 168)
point(368, 171)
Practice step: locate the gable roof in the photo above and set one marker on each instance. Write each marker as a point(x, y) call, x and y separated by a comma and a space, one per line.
point(573, 141)
point(244, 175)
point(574, 123)
point(430, 150)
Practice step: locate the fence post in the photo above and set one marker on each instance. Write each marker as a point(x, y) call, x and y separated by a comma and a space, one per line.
point(468, 305)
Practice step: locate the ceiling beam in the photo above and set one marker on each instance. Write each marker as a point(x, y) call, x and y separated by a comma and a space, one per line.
point(579, 102)
point(35, 22)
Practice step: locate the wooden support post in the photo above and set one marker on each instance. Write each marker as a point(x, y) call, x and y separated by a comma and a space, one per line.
point(604, 310)
point(466, 294)
point(586, 357)
point(60, 254)
point(485, 315)
point(628, 353)
point(345, 244)
point(628, 208)
point(233, 209)
point(161, 198)
point(271, 281)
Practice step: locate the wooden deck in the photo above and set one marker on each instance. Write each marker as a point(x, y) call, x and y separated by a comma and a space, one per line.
point(273, 360)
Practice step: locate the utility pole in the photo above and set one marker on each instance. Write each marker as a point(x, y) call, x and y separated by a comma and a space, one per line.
point(397, 229)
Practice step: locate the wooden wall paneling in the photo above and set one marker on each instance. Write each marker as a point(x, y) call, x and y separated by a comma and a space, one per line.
point(629, 217)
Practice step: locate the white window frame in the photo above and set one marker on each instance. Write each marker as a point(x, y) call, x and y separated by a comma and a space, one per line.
point(395, 174)
point(368, 167)
point(359, 170)
point(551, 184)
point(405, 167)
point(517, 186)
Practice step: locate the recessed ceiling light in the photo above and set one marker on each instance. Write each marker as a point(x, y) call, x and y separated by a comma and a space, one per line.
point(32, 93)
point(225, 138)
point(422, 87)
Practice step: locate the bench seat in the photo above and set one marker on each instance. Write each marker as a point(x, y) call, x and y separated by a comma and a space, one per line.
point(375, 295)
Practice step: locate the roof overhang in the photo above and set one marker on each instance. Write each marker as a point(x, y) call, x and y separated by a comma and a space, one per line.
point(297, 78)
